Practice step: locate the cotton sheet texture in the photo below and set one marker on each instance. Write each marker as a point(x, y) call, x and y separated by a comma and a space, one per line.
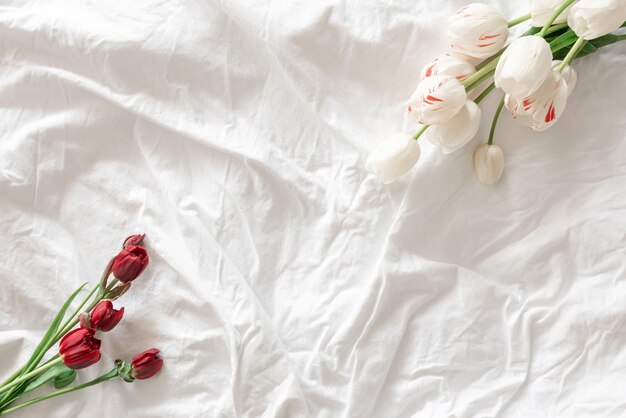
point(285, 280)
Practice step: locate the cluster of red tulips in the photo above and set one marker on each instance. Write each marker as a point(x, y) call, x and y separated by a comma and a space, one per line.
point(78, 347)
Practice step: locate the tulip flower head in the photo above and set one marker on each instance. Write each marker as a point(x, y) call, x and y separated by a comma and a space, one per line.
point(145, 365)
point(133, 240)
point(458, 131)
point(129, 263)
point(524, 66)
point(543, 108)
point(79, 348)
point(393, 157)
point(477, 30)
point(488, 163)
point(437, 99)
point(103, 317)
point(542, 10)
point(590, 19)
point(569, 76)
point(448, 64)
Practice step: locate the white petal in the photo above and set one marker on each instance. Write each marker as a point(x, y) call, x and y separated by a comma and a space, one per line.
point(524, 66)
point(488, 163)
point(590, 19)
point(452, 65)
point(542, 10)
point(477, 30)
point(437, 99)
point(458, 131)
point(393, 157)
point(569, 75)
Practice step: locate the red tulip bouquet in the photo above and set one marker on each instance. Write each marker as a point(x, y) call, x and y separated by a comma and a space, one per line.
point(78, 347)
point(533, 72)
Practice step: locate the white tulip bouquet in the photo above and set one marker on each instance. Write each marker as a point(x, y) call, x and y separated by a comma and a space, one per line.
point(533, 71)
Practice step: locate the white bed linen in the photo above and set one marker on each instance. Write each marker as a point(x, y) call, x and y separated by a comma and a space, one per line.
point(285, 280)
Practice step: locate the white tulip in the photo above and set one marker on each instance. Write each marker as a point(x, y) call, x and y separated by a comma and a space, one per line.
point(477, 30)
point(488, 163)
point(569, 75)
point(448, 64)
point(524, 66)
point(393, 157)
point(544, 107)
point(590, 19)
point(458, 131)
point(437, 99)
point(542, 10)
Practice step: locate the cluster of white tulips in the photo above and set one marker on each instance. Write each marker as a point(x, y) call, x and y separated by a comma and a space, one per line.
point(535, 84)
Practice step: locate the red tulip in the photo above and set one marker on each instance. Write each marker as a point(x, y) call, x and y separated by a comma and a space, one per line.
point(103, 317)
point(145, 365)
point(129, 263)
point(79, 348)
point(133, 240)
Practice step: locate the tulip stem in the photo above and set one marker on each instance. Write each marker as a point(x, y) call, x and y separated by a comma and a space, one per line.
point(478, 75)
point(519, 20)
point(580, 43)
point(485, 93)
point(420, 132)
point(29, 375)
point(554, 16)
point(108, 376)
point(495, 121)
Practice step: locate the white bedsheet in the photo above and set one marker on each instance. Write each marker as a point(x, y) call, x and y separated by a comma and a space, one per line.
point(286, 281)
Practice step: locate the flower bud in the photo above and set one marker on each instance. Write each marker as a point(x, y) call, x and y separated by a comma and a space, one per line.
point(437, 99)
point(129, 263)
point(488, 163)
point(544, 107)
point(542, 10)
point(448, 64)
point(133, 240)
point(458, 131)
point(79, 348)
point(524, 66)
point(477, 30)
point(103, 317)
point(145, 365)
point(590, 19)
point(393, 157)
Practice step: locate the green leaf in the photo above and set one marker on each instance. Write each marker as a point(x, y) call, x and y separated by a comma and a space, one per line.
point(52, 373)
point(65, 378)
point(52, 330)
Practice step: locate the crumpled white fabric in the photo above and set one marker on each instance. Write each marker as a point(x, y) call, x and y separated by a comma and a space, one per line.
point(286, 281)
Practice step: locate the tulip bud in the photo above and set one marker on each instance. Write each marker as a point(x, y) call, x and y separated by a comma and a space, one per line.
point(145, 365)
point(544, 107)
point(129, 263)
point(477, 30)
point(393, 157)
point(590, 19)
point(458, 131)
point(437, 99)
point(488, 163)
point(524, 66)
point(569, 76)
point(448, 64)
point(542, 10)
point(133, 240)
point(79, 348)
point(103, 317)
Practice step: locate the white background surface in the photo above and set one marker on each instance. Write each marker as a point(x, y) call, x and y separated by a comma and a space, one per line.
point(285, 280)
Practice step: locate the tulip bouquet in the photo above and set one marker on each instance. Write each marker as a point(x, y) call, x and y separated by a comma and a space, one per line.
point(78, 347)
point(533, 71)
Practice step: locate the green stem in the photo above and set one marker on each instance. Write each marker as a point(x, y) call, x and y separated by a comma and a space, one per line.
point(420, 132)
point(29, 375)
point(78, 309)
point(556, 28)
point(485, 93)
point(552, 18)
point(580, 43)
point(108, 376)
point(495, 121)
point(490, 66)
point(519, 20)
